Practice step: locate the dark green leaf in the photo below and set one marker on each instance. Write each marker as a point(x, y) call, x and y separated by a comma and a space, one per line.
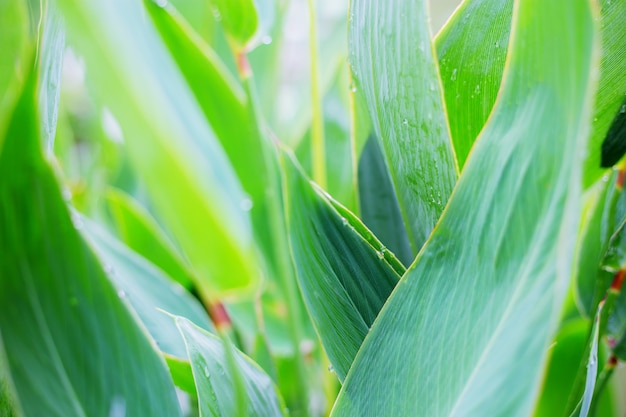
point(393, 63)
point(73, 348)
point(345, 273)
point(378, 202)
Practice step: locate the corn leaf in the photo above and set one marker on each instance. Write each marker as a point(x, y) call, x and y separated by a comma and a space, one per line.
point(64, 356)
point(472, 49)
point(478, 308)
point(611, 87)
point(240, 19)
point(216, 382)
point(141, 233)
point(393, 63)
point(378, 202)
point(345, 273)
point(147, 289)
point(14, 32)
point(599, 225)
point(193, 187)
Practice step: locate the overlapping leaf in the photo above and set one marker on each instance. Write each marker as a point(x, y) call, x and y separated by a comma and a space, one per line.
point(72, 346)
point(219, 378)
point(485, 293)
point(147, 289)
point(394, 64)
point(189, 179)
point(472, 48)
point(142, 234)
point(345, 273)
point(378, 202)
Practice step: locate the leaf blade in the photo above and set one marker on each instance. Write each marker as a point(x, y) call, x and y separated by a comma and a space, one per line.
point(514, 280)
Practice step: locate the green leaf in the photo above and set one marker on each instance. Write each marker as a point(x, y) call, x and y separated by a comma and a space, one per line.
point(188, 177)
point(52, 46)
point(239, 18)
point(472, 48)
point(14, 34)
point(614, 145)
point(599, 224)
point(379, 205)
point(147, 289)
point(216, 385)
point(592, 367)
point(345, 273)
point(393, 63)
point(611, 86)
point(478, 308)
point(140, 231)
point(64, 356)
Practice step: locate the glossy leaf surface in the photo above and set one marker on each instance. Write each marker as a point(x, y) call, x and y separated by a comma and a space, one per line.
point(472, 49)
point(194, 189)
point(216, 385)
point(501, 254)
point(378, 202)
point(394, 65)
point(345, 273)
point(64, 356)
point(148, 290)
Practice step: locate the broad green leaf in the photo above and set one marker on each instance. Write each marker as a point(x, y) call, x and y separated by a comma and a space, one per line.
point(240, 19)
point(378, 202)
point(215, 382)
point(599, 224)
point(393, 63)
point(592, 367)
point(566, 352)
point(188, 177)
point(466, 330)
point(472, 48)
point(345, 274)
point(73, 348)
point(14, 33)
point(140, 231)
point(52, 46)
point(611, 86)
point(147, 289)
point(614, 144)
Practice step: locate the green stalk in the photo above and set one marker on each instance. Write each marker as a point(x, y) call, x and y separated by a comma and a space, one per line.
point(317, 125)
point(281, 253)
point(602, 382)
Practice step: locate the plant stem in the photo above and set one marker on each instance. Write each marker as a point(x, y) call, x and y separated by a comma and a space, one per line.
point(602, 382)
point(317, 125)
point(281, 253)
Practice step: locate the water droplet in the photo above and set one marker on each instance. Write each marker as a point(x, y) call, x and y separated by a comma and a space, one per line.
point(266, 40)
point(246, 204)
point(206, 371)
point(430, 115)
point(381, 253)
point(432, 86)
point(108, 269)
point(497, 44)
point(121, 294)
point(161, 3)
point(352, 87)
point(453, 76)
point(344, 221)
point(331, 369)
point(622, 109)
point(405, 122)
point(477, 89)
